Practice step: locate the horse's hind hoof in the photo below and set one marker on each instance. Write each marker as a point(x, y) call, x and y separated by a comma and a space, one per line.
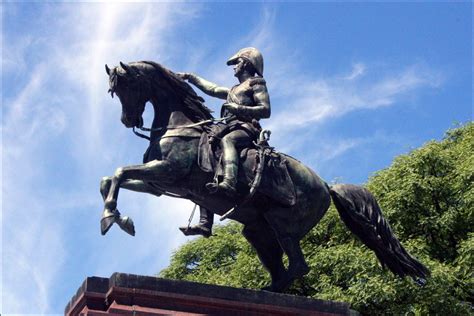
point(276, 287)
point(299, 272)
point(268, 288)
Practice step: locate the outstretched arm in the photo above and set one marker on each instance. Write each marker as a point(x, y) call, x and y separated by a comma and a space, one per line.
point(205, 86)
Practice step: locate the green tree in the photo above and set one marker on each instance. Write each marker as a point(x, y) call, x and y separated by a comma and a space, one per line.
point(428, 198)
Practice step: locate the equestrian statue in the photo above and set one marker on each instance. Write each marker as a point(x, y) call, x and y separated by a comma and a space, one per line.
point(227, 167)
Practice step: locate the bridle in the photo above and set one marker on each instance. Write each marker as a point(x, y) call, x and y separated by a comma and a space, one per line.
point(156, 129)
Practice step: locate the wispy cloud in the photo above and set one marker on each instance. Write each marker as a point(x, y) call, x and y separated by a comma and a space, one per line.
point(316, 100)
point(357, 71)
point(61, 115)
point(301, 100)
point(31, 257)
point(262, 34)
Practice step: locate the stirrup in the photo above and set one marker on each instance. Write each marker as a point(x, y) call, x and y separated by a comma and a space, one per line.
point(223, 187)
point(212, 187)
point(227, 188)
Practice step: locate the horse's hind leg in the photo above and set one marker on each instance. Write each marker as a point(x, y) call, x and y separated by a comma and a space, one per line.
point(297, 266)
point(289, 241)
point(263, 239)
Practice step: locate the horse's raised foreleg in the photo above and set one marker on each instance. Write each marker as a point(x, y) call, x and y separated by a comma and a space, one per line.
point(110, 217)
point(132, 185)
point(128, 176)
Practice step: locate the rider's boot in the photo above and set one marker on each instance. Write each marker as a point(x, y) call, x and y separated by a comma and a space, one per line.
point(203, 228)
point(228, 185)
point(231, 160)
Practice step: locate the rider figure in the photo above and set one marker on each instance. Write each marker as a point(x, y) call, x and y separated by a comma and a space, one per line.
point(246, 103)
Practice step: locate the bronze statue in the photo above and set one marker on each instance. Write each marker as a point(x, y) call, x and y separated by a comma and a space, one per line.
point(284, 200)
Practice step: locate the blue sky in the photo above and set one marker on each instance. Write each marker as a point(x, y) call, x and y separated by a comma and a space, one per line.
point(352, 86)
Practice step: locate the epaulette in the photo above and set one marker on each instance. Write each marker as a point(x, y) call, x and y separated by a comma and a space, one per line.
point(256, 80)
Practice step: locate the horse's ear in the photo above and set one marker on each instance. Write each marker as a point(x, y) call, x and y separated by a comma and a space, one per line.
point(107, 69)
point(125, 67)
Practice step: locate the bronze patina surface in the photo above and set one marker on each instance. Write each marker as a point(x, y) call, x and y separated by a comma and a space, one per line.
point(170, 167)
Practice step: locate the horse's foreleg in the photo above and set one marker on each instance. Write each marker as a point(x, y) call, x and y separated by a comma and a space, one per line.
point(132, 185)
point(127, 176)
point(153, 170)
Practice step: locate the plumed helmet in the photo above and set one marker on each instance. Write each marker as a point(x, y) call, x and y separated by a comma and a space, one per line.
point(252, 55)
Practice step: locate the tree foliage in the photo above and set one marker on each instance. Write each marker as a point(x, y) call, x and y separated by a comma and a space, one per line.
point(428, 198)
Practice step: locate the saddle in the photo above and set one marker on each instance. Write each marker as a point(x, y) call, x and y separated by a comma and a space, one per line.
point(275, 181)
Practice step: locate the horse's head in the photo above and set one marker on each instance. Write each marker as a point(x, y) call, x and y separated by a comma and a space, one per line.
point(131, 86)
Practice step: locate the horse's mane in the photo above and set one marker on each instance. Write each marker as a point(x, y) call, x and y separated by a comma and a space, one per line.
point(193, 105)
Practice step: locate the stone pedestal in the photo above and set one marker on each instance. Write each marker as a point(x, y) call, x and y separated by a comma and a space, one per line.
point(127, 294)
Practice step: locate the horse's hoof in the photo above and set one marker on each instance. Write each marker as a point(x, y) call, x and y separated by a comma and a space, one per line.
point(280, 285)
point(268, 288)
point(272, 288)
point(106, 223)
point(299, 272)
point(126, 224)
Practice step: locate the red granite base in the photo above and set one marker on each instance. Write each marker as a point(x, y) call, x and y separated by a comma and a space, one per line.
point(126, 294)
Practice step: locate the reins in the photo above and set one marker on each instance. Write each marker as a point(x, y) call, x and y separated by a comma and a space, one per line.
point(147, 129)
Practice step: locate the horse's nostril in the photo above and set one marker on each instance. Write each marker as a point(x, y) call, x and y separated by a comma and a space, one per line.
point(125, 120)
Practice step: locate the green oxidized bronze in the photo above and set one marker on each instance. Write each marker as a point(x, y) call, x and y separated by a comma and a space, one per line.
point(227, 168)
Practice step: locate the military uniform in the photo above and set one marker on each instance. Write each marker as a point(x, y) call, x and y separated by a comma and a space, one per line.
point(243, 95)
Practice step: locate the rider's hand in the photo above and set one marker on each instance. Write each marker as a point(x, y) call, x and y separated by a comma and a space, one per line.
point(232, 107)
point(183, 75)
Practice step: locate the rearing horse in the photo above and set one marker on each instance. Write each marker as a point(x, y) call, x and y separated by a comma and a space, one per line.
point(170, 167)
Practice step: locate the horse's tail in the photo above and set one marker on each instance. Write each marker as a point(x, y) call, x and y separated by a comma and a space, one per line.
point(360, 212)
